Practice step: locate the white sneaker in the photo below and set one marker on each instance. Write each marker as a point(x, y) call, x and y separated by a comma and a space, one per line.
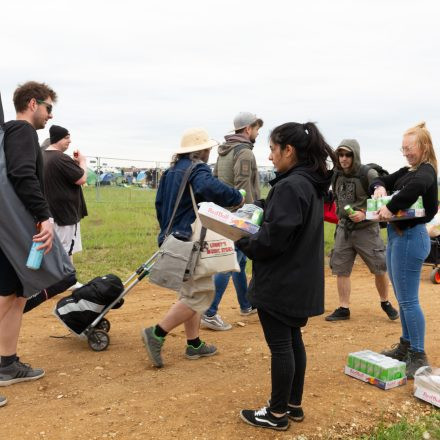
point(215, 322)
point(77, 285)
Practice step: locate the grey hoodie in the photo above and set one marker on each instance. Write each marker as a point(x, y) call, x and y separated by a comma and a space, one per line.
point(236, 166)
point(348, 188)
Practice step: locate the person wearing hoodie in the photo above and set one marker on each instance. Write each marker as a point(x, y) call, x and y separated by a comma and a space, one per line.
point(286, 287)
point(355, 235)
point(236, 166)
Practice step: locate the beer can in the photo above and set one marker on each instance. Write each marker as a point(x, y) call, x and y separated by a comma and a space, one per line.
point(349, 210)
point(371, 205)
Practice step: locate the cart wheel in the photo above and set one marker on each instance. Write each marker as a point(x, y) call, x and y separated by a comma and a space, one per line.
point(104, 324)
point(435, 275)
point(98, 340)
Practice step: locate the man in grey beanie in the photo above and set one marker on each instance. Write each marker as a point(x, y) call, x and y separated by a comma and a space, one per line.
point(354, 234)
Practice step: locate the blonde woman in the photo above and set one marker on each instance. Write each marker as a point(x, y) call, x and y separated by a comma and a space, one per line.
point(408, 240)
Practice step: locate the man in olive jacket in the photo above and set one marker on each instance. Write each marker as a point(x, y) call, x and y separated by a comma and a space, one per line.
point(236, 166)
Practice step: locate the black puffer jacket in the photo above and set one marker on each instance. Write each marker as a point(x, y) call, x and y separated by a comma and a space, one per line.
point(288, 250)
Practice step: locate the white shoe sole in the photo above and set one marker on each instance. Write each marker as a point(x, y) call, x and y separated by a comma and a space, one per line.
point(3, 402)
point(5, 383)
point(214, 327)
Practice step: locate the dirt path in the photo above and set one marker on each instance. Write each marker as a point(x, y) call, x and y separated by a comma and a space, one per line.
point(117, 394)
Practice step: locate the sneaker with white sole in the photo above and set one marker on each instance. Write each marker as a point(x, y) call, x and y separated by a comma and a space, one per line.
point(294, 413)
point(247, 312)
point(214, 322)
point(262, 418)
point(3, 401)
point(18, 372)
point(203, 350)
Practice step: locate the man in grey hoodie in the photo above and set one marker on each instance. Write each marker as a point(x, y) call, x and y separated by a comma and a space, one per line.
point(236, 166)
point(355, 235)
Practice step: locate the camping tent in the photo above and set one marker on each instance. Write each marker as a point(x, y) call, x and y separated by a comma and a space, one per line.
point(106, 178)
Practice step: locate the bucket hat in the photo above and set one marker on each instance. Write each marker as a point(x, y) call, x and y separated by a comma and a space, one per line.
point(195, 139)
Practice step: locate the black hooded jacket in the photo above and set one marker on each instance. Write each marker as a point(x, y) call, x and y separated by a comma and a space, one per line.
point(288, 250)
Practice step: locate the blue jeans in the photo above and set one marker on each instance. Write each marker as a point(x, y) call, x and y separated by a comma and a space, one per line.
point(221, 281)
point(405, 256)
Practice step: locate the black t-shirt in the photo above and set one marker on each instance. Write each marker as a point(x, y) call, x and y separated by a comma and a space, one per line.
point(65, 197)
point(24, 165)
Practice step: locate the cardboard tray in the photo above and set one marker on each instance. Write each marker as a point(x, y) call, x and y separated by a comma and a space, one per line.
point(373, 381)
point(401, 215)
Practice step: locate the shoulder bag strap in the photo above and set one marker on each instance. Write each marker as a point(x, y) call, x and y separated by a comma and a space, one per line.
point(196, 210)
point(179, 196)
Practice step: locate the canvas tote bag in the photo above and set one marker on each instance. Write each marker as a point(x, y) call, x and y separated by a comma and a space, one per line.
point(17, 227)
point(176, 259)
point(216, 253)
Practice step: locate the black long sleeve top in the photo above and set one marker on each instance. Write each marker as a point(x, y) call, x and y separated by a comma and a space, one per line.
point(411, 185)
point(24, 164)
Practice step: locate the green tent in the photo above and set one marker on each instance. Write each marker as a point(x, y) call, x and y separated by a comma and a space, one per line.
point(91, 177)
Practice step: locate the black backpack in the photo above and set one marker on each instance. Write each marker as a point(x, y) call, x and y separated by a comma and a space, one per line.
point(362, 175)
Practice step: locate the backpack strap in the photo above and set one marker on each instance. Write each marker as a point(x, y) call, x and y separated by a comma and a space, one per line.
point(239, 148)
point(363, 177)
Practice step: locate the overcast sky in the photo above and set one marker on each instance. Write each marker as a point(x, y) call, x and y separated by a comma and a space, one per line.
point(131, 76)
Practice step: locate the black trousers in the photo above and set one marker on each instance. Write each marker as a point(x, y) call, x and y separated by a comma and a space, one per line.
point(288, 365)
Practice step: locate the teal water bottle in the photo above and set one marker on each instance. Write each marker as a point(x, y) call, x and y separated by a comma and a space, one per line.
point(35, 256)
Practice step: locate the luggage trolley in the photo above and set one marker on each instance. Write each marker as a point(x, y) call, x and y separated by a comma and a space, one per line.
point(433, 259)
point(96, 333)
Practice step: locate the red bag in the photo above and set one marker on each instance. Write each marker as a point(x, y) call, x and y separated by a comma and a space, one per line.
point(330, 212)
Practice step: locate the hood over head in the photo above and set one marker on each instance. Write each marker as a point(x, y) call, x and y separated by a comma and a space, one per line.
point(353, 146)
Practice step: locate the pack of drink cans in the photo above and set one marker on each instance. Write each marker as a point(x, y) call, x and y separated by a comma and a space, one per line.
point(373, 205)
point(376, 369)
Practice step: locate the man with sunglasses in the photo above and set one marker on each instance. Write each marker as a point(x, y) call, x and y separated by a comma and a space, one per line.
point(354, 235)
point(33, 104)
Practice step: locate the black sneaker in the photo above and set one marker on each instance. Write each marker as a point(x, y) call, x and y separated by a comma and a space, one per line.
point(391, 312)
point(294, 413)
point(415, 360)
point(340, 314)
point(262, 418)
point(3, 401)
point(398, 351)
point(18, 372)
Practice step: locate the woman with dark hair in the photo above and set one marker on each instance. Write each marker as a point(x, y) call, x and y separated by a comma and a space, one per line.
point(287, 253)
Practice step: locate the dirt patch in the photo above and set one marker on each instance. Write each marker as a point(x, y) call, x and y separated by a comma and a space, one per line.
point(117, 394)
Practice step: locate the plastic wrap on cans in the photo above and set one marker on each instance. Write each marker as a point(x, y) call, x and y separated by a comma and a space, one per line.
point(427, 385)
point(251, 212)
point(376, 369)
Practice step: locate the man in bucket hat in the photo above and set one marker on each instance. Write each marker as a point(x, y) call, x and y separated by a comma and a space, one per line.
point(196, 295)
point(236, 166)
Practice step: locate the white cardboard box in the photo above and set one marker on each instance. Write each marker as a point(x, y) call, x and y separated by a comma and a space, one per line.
point(373, 381)
point(224, 222)
point(401, 215)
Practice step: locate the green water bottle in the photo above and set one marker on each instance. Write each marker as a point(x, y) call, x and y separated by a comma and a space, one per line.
point(242, 192)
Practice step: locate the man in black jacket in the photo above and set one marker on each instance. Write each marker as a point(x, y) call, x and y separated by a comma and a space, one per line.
point(33, 103)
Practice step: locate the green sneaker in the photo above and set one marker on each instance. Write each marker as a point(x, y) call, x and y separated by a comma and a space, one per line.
point(153, 344)
point(203, 350)
point(3, 401)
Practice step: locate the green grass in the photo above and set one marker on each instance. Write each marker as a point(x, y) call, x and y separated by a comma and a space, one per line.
point(120, 232)
point(425, 428)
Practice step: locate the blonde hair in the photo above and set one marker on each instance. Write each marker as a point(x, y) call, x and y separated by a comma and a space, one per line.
point(424, 141)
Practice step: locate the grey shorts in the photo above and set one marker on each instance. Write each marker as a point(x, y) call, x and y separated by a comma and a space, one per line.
point(366, 242)
point(197, 294)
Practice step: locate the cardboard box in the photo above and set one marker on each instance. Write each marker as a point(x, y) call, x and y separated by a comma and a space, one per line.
point(427, 385)
point(374, 381)
point(224, 222)
point(401, 215)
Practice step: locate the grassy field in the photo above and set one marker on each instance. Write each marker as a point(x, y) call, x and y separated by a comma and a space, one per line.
point(121, 230)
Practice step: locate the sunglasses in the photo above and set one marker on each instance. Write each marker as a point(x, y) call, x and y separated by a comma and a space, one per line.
point(46, 104)
point(345, 154)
